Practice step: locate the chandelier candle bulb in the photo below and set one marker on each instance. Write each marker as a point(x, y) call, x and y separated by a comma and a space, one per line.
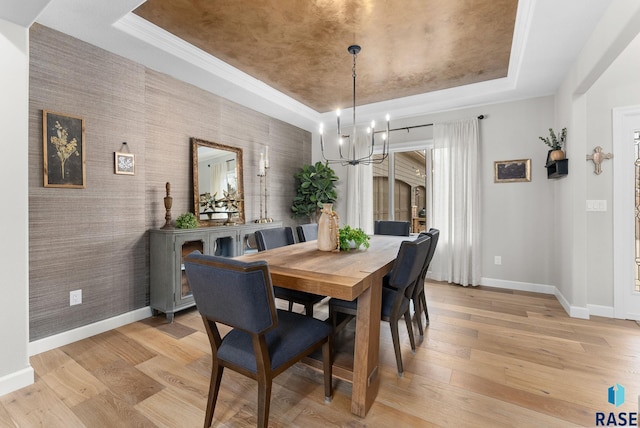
point(338, 114)
point(266, 157)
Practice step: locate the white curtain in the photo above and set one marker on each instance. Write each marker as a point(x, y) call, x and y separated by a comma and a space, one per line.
point(218, 177)
point(456, 202)
point(360, 192)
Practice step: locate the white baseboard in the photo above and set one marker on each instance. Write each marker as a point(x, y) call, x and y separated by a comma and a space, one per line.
point(16, 380)
point(520, 286)
point(572, 311)
point(601, 311)
point(64, 338)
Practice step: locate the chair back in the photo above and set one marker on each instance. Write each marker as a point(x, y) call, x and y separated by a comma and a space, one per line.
point(408, 265)
point(267, 239)
point(389, 227)
point(435, 235)
point(307, 232)
point(235, 293)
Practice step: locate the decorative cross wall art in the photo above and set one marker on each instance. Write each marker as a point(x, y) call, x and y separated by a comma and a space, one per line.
point(597, 157)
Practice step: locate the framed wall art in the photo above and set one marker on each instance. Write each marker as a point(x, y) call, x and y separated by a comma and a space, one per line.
point(63, 150)
point(512, 171)
point(125, 163)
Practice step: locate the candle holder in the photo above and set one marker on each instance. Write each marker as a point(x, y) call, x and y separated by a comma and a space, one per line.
point(263, 185)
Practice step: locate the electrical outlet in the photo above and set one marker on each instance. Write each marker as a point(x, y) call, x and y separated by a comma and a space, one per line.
point(75, 297)
point(497, 260)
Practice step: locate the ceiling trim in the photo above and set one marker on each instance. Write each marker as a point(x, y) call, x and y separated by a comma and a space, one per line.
point(147, 32)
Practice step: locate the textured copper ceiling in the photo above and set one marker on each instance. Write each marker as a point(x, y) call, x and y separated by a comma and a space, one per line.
point(299, 47)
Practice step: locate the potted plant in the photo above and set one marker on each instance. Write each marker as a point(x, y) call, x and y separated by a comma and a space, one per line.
point(556, 153)
point(316, 186)
point(186, 221)
point(352, 238)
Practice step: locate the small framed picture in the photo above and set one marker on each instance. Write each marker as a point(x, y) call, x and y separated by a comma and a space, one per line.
point(512, 171)
point(125, 163)
point(63, 150)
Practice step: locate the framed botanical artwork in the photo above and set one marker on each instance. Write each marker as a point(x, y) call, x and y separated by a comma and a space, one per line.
point(512, 171)
point(125, 163)
point(63, 150)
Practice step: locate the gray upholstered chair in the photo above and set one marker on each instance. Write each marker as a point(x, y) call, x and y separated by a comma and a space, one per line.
point(263, 341)
point(307, 232)
point(267, 239)
point(396, 295)
point(390, 227)
point(419, 298)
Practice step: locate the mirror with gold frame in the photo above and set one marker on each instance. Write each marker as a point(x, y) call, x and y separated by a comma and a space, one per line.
point(217, 183)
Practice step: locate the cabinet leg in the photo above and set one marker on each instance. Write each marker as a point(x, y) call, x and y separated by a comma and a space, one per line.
point(170, 317)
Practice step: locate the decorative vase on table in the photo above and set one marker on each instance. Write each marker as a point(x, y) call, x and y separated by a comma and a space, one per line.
point(328, 226)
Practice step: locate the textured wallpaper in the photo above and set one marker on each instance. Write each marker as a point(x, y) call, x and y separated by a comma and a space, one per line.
point(96, 238)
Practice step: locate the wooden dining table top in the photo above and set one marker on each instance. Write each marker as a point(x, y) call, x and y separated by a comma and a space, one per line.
point(337, 274)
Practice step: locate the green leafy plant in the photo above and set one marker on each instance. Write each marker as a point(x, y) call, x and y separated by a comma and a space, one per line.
point(356, 235)
point(186, 221)
point(315, 186)
point(554, 142)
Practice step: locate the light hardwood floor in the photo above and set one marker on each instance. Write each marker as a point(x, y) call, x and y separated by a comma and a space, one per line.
point(490, 358)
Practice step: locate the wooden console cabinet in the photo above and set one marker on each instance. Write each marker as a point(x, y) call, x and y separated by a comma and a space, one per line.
point(169, 289)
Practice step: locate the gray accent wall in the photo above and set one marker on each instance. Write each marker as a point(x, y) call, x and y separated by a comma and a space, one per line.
point(96, 238)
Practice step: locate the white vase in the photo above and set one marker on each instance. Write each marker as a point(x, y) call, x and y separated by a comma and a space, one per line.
point(328, 229)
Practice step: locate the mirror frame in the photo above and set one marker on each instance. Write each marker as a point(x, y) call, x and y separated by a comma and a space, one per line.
point(195, 143)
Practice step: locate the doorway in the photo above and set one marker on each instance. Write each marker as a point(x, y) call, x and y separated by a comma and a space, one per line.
point(400, 187)
point(626, 213)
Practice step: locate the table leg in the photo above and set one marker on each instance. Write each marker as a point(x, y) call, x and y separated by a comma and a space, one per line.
point(366, 373)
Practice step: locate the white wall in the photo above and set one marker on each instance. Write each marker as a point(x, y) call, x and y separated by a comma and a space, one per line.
point(595, 84)
point(619, 86)
point(15, 371)
point(518, 218)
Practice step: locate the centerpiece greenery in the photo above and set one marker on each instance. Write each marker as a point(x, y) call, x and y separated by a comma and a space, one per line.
point(349, 235)
point(316, 186)
point(186, 221)
point(554, 142)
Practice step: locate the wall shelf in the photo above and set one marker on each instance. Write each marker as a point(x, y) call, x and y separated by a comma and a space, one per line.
point(557, 168)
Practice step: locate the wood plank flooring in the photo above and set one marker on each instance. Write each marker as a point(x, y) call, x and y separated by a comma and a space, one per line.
point(489, 358)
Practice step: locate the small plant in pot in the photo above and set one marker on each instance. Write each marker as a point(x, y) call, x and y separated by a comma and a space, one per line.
point(186, 221)
point(352, 238)
point(556, 143)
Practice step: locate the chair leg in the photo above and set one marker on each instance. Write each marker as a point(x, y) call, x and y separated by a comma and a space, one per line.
point(214, 387)
point(290, 306)
point(423, 304)
point(264, 400)
point(396, 345)
point(327, 360)
point(407, 320)
point(417, 310)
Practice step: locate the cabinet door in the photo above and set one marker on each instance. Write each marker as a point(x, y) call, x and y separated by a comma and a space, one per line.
point(248, 240)
point(184, 246)
point(223, 242)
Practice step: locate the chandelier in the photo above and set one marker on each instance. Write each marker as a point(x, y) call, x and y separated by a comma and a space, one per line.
point(349, 153)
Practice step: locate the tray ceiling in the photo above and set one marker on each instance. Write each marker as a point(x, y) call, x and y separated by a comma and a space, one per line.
point(299, 48)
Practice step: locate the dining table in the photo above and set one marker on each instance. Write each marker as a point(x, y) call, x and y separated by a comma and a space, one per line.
point(347, 275)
